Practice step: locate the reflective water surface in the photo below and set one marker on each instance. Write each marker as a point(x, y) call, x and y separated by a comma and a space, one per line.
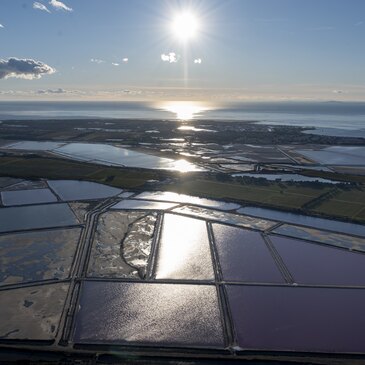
point(23, 197)
point(158, 314)
point(36, 216)
point(143, 204)
point(335, 239)
point(325, 320)
point(120, 156)
point(244, 256)
point(224, 217)
point(182, 198)
point(310, 263)
point(184, 251)
point(305, 220)
point(81, 190)
point(337, 155)
point(35, 256)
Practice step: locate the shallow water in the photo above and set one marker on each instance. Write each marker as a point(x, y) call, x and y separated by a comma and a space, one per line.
point(143, 205)
point(123, 157)
point(24, 197)
point(36, 216)
point(34, 146)
point(153, 314)
point(305, 220)
point(34, 256)
point(244, 256)
point(337, 155)
point(69, 190)
point(224, 217)
point(182, 198)
point(335, 239)
point(32, 313)
point(286, 318)
point(313, 264)
point(184, 251)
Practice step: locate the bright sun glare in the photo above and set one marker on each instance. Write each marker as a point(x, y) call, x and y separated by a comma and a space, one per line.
point(185, 26)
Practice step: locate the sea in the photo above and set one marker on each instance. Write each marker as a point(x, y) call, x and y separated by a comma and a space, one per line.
point(331, 118)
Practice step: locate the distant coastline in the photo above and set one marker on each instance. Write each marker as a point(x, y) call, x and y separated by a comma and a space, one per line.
point(324, 116)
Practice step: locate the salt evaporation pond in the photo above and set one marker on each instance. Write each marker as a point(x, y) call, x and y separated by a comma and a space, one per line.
point(24, 197)
point(167, 196)
point(69, 190)
point(36, 216)
point(304, 220)
point(102, 153)
point(108, 155)
point(337, 155)
point(143, 204)
point(34, 146)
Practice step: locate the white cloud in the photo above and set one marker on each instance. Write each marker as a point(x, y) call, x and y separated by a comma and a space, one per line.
point(125, 59)
point(339, 91)
point(52, 91)
point(24, 69)
point(96, 60)
point(58, 5)
point(169, 57)
point(1, 26)
point(198, 60)
point(115, 64)
point(358, 24)
point(40, 6)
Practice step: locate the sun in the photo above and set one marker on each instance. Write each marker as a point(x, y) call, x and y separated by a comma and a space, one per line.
point(185, 26)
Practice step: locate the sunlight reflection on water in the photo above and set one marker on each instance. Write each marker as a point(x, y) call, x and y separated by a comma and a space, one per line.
point(185, 110)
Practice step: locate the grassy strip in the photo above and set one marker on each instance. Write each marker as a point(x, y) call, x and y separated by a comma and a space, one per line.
point(347, 203)
point(36, 167)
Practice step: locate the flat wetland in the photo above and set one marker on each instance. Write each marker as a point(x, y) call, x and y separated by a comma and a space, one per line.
point(210, 154)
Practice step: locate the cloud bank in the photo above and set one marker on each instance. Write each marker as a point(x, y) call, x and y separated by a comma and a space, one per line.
point(58, 5)
point(40, 6)
point(24, 69)
point(169, 57)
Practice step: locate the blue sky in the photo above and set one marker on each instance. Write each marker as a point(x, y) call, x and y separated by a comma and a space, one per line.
point(248, 49)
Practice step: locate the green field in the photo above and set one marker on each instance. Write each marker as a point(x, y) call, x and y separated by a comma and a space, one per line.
point(346, 203)
point(322, 200)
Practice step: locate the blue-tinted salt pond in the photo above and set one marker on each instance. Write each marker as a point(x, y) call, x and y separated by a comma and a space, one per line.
point(175, 315)
point(182, 198)
point(244, 256)
point(304, 220)
point(69, 190)
point(36, 216)
point(310, 263)
point(337, 155)
point(24, 197)
point(327, 320)
point(288, 177)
